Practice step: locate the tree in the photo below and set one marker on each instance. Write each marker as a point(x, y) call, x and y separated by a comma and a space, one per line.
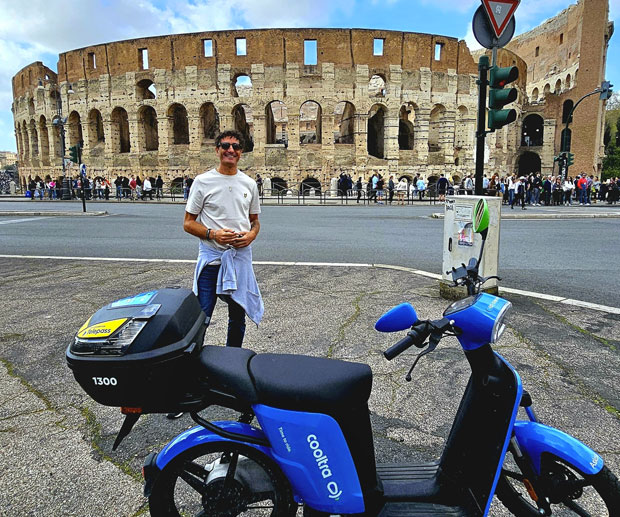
point(613, 103)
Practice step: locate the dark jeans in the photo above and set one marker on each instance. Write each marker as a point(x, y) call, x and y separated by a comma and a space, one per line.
point(207, 284)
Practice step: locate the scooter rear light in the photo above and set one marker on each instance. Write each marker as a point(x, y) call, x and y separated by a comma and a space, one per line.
point(131, 410)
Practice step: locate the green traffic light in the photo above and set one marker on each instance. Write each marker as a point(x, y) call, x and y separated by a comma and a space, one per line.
point(499, 98)
point(499, 118)
point(570, 159)
point(500, 77)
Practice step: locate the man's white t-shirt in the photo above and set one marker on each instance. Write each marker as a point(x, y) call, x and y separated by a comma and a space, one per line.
point(223, 201)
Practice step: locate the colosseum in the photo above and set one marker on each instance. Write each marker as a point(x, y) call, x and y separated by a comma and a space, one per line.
point(313, 103)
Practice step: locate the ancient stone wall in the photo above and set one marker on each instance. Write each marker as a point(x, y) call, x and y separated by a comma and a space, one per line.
point(371, 101)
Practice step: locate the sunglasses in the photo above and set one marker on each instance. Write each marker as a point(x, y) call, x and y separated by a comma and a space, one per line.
point(226, 146)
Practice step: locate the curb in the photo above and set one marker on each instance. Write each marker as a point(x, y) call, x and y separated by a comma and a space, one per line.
point(608, 215)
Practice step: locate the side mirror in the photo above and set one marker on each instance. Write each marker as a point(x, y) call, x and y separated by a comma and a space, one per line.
point(401, 317)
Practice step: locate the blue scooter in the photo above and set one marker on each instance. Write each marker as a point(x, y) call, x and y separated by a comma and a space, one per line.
point(314, 447)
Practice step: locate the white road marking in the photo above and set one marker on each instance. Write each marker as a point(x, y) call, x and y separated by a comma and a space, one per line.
point(27, 220)
point(509, 290)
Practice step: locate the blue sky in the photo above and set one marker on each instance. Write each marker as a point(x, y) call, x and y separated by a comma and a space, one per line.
point(44, 29)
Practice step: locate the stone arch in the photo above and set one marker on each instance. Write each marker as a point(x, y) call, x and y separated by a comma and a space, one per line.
point(344, 123)
point(310, 115)
point(406, 133)
point(119, 122)
point(528, 163)
point(96, 134)
point(209, 122)
point(35, 138)
point(244, 123)
point(532, 130)
point(242, 85)
point(178, 124)
point(276, 123)
point(535, 95)
point(377, 86)
point(44, 141)
point(24, 130)
point(558, 87)
point(74, 124)
point(176, 185)
point(148, 128)
point(567, 82)
point(434, 129)
point(376, 131)
point(547, 89)
point(566, 109)
point(278, 184)
point(462, 135)
point(309, 186)
point(145, 89)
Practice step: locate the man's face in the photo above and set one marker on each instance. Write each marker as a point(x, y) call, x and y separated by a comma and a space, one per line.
point(228, 156)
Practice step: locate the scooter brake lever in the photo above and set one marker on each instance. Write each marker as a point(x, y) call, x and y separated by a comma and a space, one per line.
point(432, 344)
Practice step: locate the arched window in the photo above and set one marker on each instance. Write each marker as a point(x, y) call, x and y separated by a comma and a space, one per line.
point(535, 95)
point(20, 142)
point(566, 109)
point(434, 128)
point(406, 119)
point(95, 128)
point(532, 131)
point(75, 129)
point(209, 122)
point(565, 140)
point(568, 83)
point(145, 89)
point(529, 163)
point(310, 123)
point(278, 184)
point(147, 127)
point(244, 123)
point(119, 123)
point(31, 107)
point(558, 87)
point(26, 140)
point(376, 131)
point(242, 86)
point(344, 123)
point(177, 115)
point(547, 89)
point(377, 86)
point(44, 141)
point(276, 123)
point(310, 186)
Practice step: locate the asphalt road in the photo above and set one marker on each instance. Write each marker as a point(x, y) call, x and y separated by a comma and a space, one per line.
point(573, 258)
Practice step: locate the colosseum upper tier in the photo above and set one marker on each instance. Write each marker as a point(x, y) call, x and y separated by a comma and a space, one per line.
point(312, 103)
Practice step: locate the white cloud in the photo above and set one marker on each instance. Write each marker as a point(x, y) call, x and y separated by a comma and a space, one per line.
point(471, 41)
point(460, 6)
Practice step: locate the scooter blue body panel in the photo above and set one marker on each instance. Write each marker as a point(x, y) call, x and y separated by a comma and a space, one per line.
point(313, 453)
point(199, 435)
point(536, 439)
point(509, 434)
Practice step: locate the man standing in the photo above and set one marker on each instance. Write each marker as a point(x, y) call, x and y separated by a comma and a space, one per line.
point(222, 211)
point(159, 187)
point(147, 189)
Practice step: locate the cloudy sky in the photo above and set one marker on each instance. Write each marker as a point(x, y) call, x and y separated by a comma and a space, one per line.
point(44, 29)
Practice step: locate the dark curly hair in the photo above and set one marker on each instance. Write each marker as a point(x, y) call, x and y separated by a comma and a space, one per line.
point(230, 134)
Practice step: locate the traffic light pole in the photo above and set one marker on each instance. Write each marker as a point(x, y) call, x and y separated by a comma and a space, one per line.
point(481, 133)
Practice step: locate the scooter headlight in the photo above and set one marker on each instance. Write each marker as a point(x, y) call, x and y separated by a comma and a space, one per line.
point(500, 322)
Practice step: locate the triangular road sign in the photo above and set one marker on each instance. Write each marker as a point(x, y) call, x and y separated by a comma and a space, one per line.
point(500, 12)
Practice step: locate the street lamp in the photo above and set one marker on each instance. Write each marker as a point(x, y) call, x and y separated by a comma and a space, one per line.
point(60, 122)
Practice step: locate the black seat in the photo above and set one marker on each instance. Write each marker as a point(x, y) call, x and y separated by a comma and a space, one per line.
point(226, 370)
point(305, 383)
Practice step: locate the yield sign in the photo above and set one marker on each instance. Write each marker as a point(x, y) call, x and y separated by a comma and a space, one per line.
point(500, 12)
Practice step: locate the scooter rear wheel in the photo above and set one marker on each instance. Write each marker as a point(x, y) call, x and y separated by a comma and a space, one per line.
point(197, 482)
point(600, 497)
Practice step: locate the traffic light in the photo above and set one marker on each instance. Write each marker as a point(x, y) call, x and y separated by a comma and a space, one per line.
point(570, 159)
point(499, 97)
point(606, 90)
point(74, 154)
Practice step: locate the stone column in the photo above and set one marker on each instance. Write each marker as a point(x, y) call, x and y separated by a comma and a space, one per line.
point(422, 123)
point(548, 150)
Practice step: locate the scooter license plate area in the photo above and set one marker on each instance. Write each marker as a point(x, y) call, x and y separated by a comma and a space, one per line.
point(313, 453)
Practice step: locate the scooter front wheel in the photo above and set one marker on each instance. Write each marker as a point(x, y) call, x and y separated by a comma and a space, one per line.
point(222, 479)
point(570, 493)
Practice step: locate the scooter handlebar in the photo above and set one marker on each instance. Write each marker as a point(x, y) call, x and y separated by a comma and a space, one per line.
point(398, 348)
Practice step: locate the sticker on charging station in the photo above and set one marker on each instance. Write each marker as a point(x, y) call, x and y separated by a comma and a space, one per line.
point(100, 330)
point(138, 299)
point(463, 213)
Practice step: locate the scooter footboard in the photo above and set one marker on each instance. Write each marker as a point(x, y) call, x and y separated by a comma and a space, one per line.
point(536, 439)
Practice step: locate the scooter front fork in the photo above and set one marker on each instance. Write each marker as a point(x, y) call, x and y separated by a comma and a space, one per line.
point(531, 480)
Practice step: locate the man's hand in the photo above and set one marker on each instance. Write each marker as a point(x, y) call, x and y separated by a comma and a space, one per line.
point(225, 236)
point(243, 239)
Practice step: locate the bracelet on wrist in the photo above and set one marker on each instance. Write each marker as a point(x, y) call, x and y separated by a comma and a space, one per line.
point(208, 237)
